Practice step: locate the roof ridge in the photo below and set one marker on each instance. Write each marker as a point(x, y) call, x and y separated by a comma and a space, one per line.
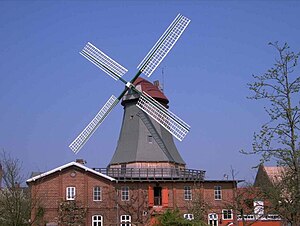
point(60, 168)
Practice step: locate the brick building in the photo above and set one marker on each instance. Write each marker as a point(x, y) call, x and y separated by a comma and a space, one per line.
point(137, 200)
point(145, 177)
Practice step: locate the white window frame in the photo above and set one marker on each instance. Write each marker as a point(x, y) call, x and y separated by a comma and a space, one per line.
point(125, 193)
point(70, 193)
point(188, 216)
point(259, 209)
point(97, 193)
point(187, 193)
point(218, 192)
point(125, 220)
point(227, 212)
point(213, 217)
point(97, 221)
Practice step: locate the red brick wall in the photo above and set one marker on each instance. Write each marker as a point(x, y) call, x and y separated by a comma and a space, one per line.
point(263, 223)
point(51, 190)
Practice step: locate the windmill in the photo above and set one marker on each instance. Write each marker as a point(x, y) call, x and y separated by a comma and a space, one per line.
point(177, 127)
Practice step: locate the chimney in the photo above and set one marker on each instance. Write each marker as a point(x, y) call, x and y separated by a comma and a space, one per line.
point(81, 161)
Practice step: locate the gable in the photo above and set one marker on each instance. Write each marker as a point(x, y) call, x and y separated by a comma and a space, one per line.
point(71, 165)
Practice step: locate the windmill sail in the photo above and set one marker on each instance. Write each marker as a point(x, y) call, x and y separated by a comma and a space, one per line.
point(104, 62)
point(167, 119)
point(177, 127)
point(83, 137)
point(163, 46)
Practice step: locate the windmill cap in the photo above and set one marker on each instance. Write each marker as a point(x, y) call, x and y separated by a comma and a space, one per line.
point(145, 86)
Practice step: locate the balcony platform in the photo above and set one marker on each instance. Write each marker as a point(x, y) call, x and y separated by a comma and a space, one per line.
point(153, 174)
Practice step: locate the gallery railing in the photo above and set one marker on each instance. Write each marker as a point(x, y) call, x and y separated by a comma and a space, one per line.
point(153, 174)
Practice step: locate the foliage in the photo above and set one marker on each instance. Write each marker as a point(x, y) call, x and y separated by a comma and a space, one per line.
point(174, 218)
point(71, 213)
point(198, 207)
point(242, 200)
point(15, 203)
point(135, 206)
point(278, 139)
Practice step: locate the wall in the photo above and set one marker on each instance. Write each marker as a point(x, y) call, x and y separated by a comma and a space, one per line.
point(51, 190)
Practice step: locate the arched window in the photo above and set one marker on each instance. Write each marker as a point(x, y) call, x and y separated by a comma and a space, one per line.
point(97, 220)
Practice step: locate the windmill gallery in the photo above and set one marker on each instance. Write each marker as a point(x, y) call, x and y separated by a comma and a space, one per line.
point(146, 175)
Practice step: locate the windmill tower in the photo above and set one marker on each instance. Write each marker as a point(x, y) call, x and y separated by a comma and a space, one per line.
point(146, 103)
point(144, 143)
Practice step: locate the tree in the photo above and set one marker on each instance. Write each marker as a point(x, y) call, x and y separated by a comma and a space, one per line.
point(198, 207)
point(16, 202)
point(174, 218)
point(135, 206)
point(278, 139)
point(71, 213)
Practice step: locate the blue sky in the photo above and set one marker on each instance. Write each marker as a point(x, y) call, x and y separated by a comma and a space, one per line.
point(49, 92)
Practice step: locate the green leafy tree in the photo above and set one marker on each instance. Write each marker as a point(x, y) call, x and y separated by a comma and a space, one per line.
point(278, 139)
point(174, 218)
point(71, 213)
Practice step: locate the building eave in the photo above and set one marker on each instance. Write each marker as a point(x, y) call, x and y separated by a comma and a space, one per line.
point(60, 168)
point(224, 181)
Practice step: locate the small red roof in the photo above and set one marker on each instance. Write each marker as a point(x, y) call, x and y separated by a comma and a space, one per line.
point(151, 89)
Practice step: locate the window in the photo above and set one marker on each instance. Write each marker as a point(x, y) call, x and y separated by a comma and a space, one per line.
point(149, 139)
point(218, 193)
point(123, 168)
point(188, 216)
point(258, 208)
point(70, 193)
point(97, 195)
point(157, 196)
point(227, 214)
point(213, 219)
point(97, 220)
point(125, 193)
point(187, 193)
point(125, 220)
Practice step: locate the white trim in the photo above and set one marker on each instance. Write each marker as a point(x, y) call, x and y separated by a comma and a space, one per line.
point(66, 166)
point(125, 220)
point(188, 216)
point(125, 193)
point(214, 218)
point(70, 193)
point(218, 192)
point(97, 221)
point(231, 214)
point(187, 193)
point(98, 193)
